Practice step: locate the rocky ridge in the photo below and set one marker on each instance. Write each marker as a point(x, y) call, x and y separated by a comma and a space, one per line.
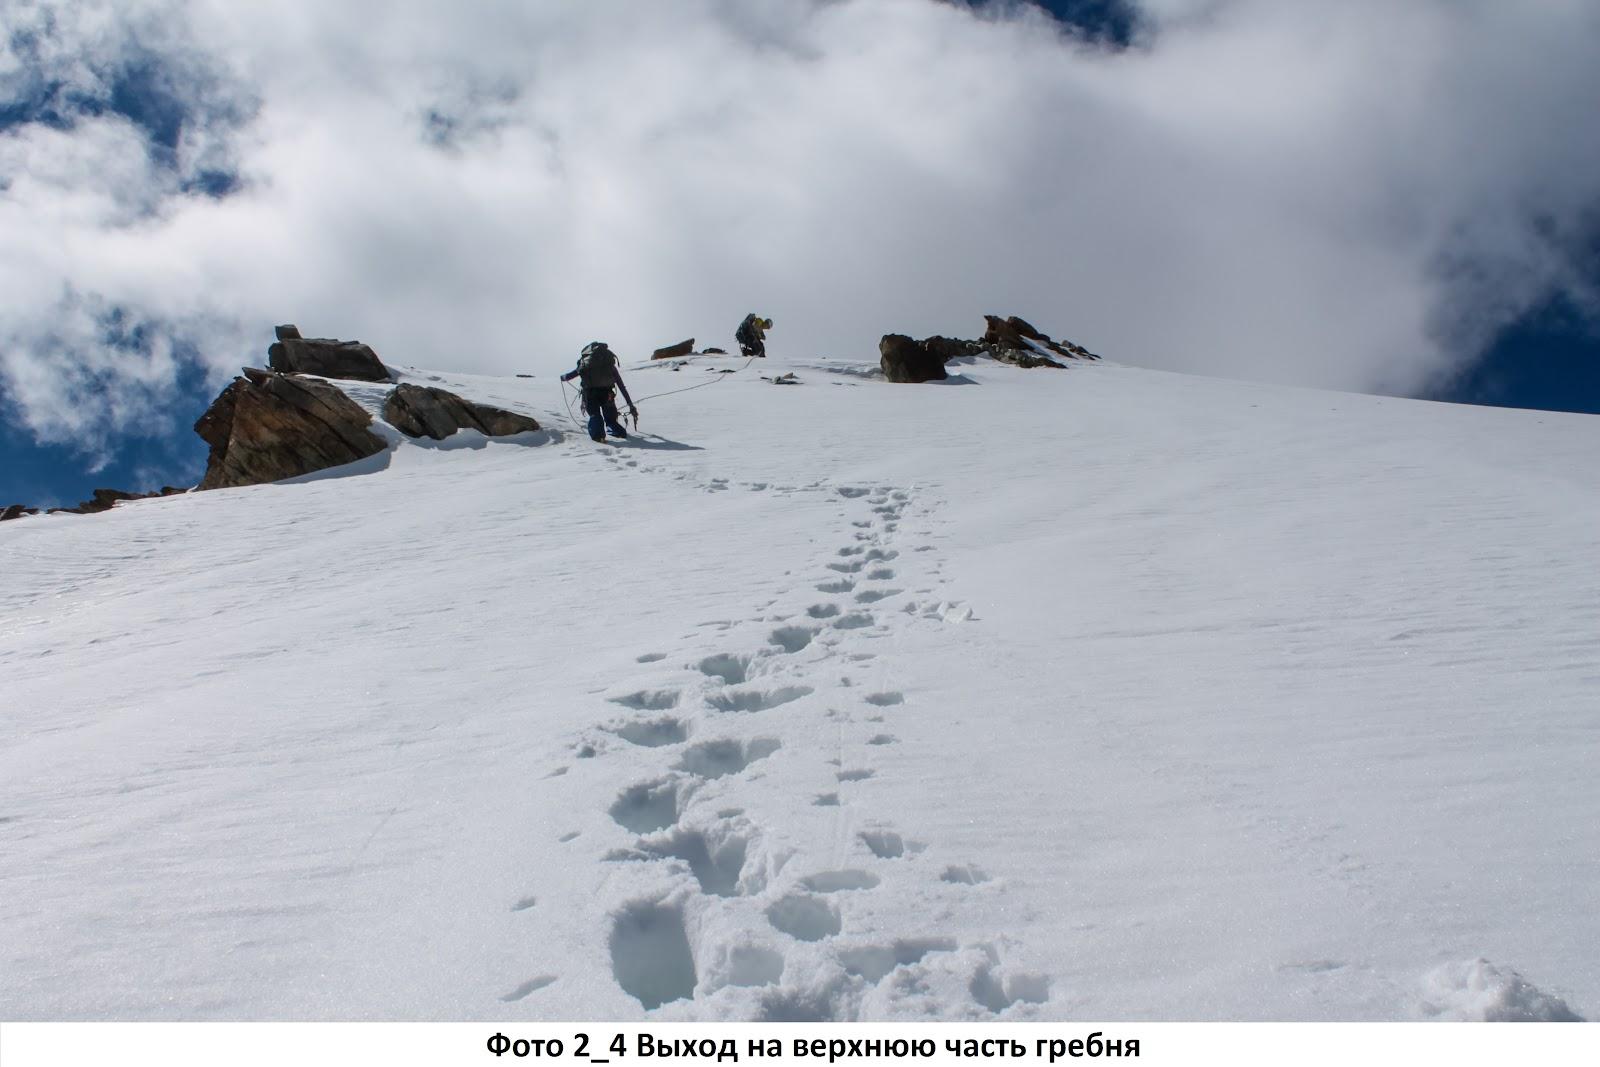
point(284, 422)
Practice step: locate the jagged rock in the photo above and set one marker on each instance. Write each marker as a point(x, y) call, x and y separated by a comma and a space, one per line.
point(265, 427)
point(16, 511)
point(106, 499)
point(422, 411)
point(948, 348)
point(715, 352)
point(1009, 340)
point(677, 351)
point(293, 354)
point(905, 360)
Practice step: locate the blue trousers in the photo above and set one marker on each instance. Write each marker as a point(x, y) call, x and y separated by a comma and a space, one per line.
point(601, 404)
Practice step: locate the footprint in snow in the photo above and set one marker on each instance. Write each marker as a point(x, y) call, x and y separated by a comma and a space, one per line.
point(715, 863)
point(733, 669)
point(822, 611)
point(757, 699)
point(840, 585)
point(655, 733)
point(998, 992)
point(530, 986)
point(963, 875)
point(874, 962)
point(648, 700)
point(792, 638)
point(854, 621)
point(648, 806)
point(840, 881)
point(872, 596)
point(524, 904)
point(888, 845)
point(886, 700)
point(650, 955)
point(718, 759)
point(804, 918)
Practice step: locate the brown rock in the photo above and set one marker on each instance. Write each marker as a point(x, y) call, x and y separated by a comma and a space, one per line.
point(948, 348)
point(265, 427)
point(293, 354)
point(422, 411)
point(16, 511)
point(677, 351)
point(1008, 340)
point(905, 360)
point(106, 499)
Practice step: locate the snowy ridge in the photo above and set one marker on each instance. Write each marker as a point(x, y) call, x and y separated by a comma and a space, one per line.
point(840, 701)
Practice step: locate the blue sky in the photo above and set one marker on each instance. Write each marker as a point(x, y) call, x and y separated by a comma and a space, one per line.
point(1451, 257)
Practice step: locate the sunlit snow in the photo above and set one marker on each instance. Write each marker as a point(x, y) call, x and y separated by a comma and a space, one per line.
point(1099, 693)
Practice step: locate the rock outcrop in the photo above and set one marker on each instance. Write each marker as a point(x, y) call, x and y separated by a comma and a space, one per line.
point(1009, 340)
point(293, 354)
point(106, 499)
point(422, 411)
point(16, 511)
point(267, 426)
point(905, 360)
point(677, 351)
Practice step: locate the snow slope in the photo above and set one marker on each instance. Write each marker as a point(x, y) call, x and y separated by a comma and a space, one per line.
point(1102, 694)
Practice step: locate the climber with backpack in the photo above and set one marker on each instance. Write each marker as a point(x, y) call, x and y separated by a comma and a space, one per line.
point(752, 335)
point(600, 377)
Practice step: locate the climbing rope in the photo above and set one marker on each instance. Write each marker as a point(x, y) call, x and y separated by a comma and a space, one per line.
point(566, 398)
point(711, 381)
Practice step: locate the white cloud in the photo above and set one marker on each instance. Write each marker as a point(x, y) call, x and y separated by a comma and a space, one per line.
point(1351, 194)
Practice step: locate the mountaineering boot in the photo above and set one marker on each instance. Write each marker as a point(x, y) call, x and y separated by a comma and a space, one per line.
point(598, 437)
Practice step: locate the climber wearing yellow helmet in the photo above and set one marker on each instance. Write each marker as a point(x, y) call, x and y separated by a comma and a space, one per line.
point(752, 335)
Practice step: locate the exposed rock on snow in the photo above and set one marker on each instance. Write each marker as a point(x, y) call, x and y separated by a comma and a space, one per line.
point(905, 360)
point(423, 411)
point(1011, 340)
point(1014, 340)
point(102, 500)
point(293, 354)
point(1478, 991)
point(682, 348)
point(265, 427)
point(105, 499)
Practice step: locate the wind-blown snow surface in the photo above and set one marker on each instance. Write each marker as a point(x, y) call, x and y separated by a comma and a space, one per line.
point(1103, 693)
